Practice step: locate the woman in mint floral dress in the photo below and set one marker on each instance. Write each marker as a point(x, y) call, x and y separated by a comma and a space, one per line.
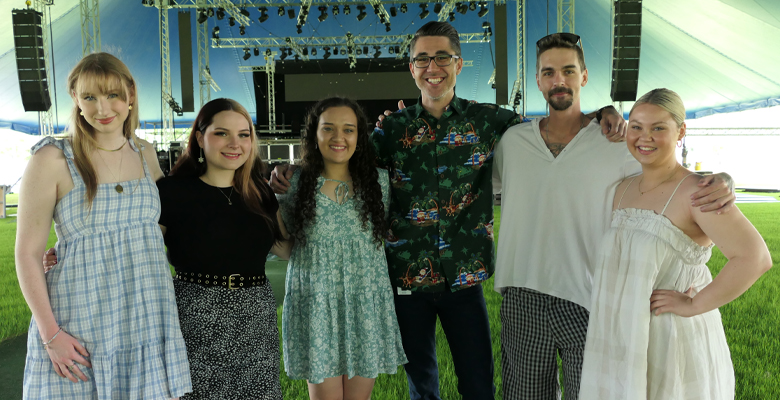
point(338, 325)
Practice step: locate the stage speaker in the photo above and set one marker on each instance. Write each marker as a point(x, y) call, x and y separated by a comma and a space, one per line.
point(30, 62)
point(185, 61)
point(626, 50)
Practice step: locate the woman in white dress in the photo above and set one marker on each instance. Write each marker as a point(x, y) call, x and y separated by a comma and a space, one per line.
point(655, 331)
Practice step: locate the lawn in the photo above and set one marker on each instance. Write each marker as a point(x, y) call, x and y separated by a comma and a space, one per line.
point(751, 321)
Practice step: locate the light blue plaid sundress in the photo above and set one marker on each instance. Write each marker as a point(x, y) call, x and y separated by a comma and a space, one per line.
point(111, 290)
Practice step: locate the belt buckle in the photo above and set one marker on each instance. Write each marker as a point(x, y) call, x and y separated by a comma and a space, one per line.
point(230, 281)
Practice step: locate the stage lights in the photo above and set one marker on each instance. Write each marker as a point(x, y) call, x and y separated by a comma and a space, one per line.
point(280, 11)
point(346, 9)
point(483, 10)
point(290, 13)
point(323, 13)
point(263, 14)
point(437, 8)
point(284, 54)
point(359, 51)
point(246, 53)
point(232, 21)
point(377, 53)
point(393, 12)
point(397, 49)
point(424, 11)
point(343, 51)
point(452, 16)
point(220, 14)
point(327, 53)
point(305, 51)
point(242, 30)
point(365, 50)
point(268, 52)
point(335, 10)
point(387, 26)
point(313, 51)
point(299, 29)
point(403, 8)
point(257, 52)
point(202, 17)
point(244, 12)
point(486, 29)
point(215, 33)
point(210, 12)
point(362, 13)
point(472, 6)
point(462, 8)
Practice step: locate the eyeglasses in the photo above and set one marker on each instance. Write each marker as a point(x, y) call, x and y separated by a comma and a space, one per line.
point(441, 60)
point(542, 43)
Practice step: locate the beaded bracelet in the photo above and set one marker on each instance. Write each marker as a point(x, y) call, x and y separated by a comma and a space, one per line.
point(46, 344)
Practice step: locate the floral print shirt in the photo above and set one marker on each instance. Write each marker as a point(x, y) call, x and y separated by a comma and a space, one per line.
point(441, 208)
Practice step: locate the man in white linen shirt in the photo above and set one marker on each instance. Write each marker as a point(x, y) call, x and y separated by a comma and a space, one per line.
point(557, 182)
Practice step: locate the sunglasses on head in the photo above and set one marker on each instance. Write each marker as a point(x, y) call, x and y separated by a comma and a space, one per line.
point(565, 36)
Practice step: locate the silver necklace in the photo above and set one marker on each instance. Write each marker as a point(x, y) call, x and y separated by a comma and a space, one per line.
point(230, 202)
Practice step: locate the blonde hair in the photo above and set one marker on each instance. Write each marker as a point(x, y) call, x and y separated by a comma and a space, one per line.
point(110, 74)
point(667, 100)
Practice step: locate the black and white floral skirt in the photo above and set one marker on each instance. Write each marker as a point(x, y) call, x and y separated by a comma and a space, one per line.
point(232, 341)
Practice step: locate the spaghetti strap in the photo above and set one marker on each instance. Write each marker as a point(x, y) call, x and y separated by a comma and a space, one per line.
point(675, 191)
point(624, 191)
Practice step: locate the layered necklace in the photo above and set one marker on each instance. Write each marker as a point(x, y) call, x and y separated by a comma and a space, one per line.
point(119, 189)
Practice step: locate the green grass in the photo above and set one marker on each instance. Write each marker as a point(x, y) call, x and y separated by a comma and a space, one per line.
point(751, 322)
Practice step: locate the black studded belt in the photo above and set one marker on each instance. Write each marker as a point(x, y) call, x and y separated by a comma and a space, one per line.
point(232, 281)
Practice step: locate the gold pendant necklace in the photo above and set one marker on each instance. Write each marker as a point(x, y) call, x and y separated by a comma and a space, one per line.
point(230, 202)
point(118, 187)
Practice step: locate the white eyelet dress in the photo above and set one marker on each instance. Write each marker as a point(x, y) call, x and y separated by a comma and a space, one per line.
point(112, 291)
point(631, 353)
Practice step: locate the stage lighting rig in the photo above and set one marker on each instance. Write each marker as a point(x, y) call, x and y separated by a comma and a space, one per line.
point(404, 8)
point(215, 33)
point(305, 51)
point(362, 13)
point(346, 9)
point(397, 49)
point(202, 17)
point(284, 54)
point(365, 50)
point(359, 51)
point(299, 29)
point(244, 12)
point(343, 51)
point(323, 13)
point(423, 11)
point(387, 26)
point(472, 6)
point(290, 13)
point(313, 51)
point(462, 8)
point(242, 30)
point(263, 14)
point(220, 14)
point(452, 16)
point(280, 11)
point(483, 10)
point(232, 21)
point(437, 8)
point(246, 53)
point(393, 12)
point(335, 10)
point(210, 12)
point(257, 52)
point(268, 52)
point(377, 53)
point(327, 53)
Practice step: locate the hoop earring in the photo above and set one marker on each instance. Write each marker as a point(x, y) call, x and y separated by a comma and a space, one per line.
point(200, 159)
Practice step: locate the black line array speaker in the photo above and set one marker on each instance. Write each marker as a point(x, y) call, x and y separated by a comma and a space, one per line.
point(30, 62)
point(625, 53)
point(185, 61)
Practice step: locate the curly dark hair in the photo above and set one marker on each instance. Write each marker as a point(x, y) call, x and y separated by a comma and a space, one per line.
point(362, 168)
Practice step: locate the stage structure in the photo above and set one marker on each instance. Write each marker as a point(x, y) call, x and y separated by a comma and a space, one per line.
point(90, 26)
point(45, 120)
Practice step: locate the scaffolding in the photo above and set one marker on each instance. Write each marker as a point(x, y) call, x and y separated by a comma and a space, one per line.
point(90, 27)
point(566, 16)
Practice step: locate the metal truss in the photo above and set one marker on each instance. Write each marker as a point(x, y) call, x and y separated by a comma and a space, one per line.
point(296, 47)
point(404, 46)
point(227, 5)
point(270, 69)
point(331, 41)
point(90, 27)
point(165, 56)
point(518, 90)
point(446, 9)
point(282, 3)
point(203, 63)
point(45, 117)
point(566, 16)
point(303, 13)
point(380, 11)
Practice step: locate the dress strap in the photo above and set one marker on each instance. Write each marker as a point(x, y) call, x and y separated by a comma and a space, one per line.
point(140, 150)
point(625, 190)
point(675, 191)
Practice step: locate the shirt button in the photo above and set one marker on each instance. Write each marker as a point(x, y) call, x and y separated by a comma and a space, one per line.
point(438, 126)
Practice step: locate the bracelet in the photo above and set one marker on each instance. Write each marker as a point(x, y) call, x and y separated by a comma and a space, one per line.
point(46, 344)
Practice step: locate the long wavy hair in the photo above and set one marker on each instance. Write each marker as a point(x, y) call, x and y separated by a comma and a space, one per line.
point(249, 181)
point(362, 168)
point(109, 74)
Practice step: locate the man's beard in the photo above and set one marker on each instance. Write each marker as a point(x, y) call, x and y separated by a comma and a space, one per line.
point(562, 104)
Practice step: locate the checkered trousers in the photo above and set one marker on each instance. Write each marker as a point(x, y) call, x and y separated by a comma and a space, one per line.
point(535, 328)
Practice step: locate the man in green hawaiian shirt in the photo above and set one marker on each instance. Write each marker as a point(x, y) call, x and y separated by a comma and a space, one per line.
point(440, 247)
